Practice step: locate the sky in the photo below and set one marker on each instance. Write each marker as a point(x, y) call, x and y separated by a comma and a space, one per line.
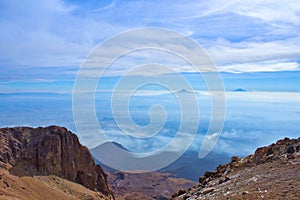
point(46, 41)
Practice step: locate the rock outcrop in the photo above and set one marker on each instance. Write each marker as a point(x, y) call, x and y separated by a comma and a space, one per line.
point(267, 173)
point(283, 148)
point(51, 151)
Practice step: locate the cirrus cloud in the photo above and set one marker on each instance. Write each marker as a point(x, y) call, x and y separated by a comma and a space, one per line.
point(240, 36)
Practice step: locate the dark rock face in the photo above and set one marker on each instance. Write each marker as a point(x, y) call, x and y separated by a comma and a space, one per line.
point(290, 149)
point(275, 151)
point(234, 159)
point(51, 151)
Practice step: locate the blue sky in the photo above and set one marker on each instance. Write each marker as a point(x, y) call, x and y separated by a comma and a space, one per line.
point(46, 41)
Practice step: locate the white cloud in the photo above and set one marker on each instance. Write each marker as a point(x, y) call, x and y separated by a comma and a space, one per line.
point(43, 33)
point(264, 97)
point(226, 52)
point(270, 10)
point(241, 36)
point(254, 56)
point(260, 67)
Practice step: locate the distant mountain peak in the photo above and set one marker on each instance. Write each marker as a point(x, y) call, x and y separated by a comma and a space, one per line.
point(240, 90)
point(185, 91)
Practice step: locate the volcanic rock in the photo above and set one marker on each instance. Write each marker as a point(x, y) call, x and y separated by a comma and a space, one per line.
point(272, 172)
point(51, 151)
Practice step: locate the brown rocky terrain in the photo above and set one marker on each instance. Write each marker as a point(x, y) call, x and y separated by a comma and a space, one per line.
point(272, 172)
point(32, 154)
point(50, 163)
point(146, 186)
point(43, 187)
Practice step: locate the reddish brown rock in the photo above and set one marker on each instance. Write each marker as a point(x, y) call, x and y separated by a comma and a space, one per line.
point(234, 159)
point(51, 151)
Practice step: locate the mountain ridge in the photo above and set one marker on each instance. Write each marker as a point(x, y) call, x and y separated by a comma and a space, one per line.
point(271, 172)
point(52, 150)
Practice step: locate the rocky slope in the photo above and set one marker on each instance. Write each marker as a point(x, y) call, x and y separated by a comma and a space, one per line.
point(146, 186)
point(48, 151)
point(272, 172)
point(43, 187)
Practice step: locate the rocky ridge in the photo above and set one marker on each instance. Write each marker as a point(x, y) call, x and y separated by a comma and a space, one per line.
point(53, 150)
point(272, 172)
